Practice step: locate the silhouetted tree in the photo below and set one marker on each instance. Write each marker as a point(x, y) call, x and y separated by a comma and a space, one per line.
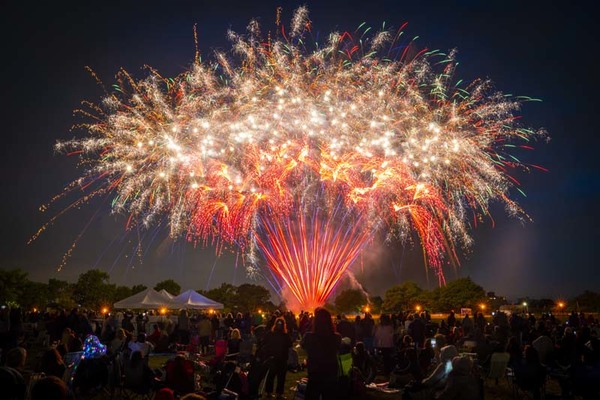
point(457, 294)
point(92, 289)
point(12, 285)
point(402, 297)
point(350, 300)
point(169, 285)
point(249, 297)
point(138, 288)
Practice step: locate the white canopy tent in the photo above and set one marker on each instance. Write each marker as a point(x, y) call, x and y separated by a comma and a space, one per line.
point(166, 294)
point(194, 300)
point(149, 298)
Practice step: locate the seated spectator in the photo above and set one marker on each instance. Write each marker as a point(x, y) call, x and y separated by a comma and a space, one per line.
point(484, 349)
point(50, 388)
point(16, 358)
point(363, 361)
point(530, 374)
point(141, 345)
point(52, 363)
point(545, 348)
point(408, 359)
point(438, 377)
point(426, 356)
point(180, 375)
point(566, 351)
point(12, 383)
point(117, 344)
point(155, 335)
point(346, 347)
point(67, 338)
point(165, 394)
point(514, 349)
point(461, 383)
point(138, 376)
point(62, 350)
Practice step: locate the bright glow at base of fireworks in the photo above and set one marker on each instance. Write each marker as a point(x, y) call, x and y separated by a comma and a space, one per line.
point(311, 250)
point(269, 149)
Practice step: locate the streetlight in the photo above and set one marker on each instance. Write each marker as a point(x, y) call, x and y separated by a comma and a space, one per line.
point(525, 306)
point(367, 309)
point(418, 308)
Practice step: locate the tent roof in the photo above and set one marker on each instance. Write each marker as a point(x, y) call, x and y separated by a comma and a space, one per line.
point(165, 293)
point(149, 298)
point(193, 299)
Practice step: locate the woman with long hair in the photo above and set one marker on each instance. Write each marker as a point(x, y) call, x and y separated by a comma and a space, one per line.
point(233, 343)
point(322, 344)
point(276, 346)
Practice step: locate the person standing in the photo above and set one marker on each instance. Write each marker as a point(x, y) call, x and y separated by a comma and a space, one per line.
point(204, 333)
point(384, 342)
point(322, 344)
point(277, 344)
point(183, 326)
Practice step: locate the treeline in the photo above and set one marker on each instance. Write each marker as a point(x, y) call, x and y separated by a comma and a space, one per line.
point(92, 290)
point(457, 294)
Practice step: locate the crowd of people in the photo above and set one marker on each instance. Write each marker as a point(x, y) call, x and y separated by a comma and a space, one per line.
point(447, 359)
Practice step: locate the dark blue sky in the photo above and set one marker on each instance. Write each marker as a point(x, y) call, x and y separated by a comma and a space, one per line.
point(527, 48)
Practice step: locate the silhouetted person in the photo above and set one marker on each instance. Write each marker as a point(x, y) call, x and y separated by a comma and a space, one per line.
point(322, 344)
point(277, 343)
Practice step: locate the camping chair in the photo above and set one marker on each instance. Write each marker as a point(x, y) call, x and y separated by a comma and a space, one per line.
point(257, 377)
point(245, 355)
point(90, 377)
point(136, 382)
point(220, 353)
point(498, 364)
point(519, 392)
point(180, 375)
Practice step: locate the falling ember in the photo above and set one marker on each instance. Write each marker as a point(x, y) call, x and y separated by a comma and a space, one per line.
point(305, 154)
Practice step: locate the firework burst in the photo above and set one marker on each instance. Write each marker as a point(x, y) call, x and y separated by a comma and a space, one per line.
point(304, 152)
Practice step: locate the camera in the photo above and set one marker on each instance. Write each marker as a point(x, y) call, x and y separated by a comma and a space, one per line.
point(433, 342)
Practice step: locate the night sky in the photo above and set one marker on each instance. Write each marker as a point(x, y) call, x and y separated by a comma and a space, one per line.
point(526, 48)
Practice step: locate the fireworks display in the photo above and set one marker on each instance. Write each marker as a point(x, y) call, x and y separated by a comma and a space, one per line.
point(297, 153)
